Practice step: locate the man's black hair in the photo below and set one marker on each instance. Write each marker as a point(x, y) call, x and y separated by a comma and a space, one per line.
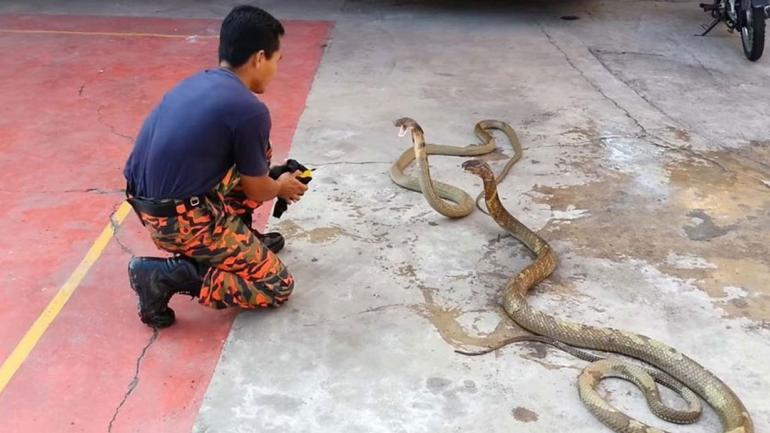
point(245, 31)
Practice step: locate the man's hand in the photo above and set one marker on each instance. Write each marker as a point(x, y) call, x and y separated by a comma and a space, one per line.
point(290, 188)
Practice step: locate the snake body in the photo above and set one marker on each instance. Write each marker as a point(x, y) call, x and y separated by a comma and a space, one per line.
point(731, 411)
point(446, 199)
point(676, 370)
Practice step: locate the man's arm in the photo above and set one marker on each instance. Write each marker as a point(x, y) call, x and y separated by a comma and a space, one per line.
point(264, 188)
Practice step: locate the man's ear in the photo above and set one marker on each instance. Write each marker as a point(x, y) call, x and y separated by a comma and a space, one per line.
point(258, 58)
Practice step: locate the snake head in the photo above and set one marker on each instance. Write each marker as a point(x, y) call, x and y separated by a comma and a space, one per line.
point(407, 124)
point(479, 168)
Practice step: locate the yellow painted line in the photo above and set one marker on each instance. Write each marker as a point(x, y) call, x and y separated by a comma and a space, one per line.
point(120, 34)
point(30, 339)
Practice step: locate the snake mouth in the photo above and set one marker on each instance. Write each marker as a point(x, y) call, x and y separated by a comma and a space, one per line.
point(477, 167)
point(406, 124)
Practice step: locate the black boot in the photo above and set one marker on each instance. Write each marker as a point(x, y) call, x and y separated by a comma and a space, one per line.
point(273, 241)
point(155, 280)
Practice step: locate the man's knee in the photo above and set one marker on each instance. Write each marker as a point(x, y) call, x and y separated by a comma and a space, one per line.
point(283, 288)
point(269, 292)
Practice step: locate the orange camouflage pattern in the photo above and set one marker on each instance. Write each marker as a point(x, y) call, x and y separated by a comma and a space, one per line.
point(242, 271)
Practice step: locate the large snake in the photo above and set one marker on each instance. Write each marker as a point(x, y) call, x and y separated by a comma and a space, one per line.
point(677, 371)
point(459, 203)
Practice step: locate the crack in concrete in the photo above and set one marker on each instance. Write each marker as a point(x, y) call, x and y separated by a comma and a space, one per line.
point(596, 140)
point(649, 137)
point(645, 135)
point(100, 119)
point(631, 53)
point(135, 380)
point(99, 108)
point(693, 154)
point(65, 191)
point(717, 82)
point(596, 54)
point(324, 164)
point(116, 230)
point(87, 82)
point(359, 313)
point(595, 86)
point(102, 191)
point(123, 246)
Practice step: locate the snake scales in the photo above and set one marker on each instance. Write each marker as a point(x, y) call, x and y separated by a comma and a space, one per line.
point(459, 202)
point(674, 369)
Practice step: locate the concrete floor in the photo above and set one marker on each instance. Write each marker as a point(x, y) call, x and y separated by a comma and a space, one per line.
point(646, 166)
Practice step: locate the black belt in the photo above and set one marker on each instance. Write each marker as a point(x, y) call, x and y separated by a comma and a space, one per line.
point(165, 207)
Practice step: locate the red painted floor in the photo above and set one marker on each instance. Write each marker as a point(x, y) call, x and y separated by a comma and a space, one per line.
point(70, 107)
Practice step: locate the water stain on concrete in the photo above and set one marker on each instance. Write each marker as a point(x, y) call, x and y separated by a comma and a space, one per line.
point(318, 235)
point(583, 133)
point(280, 402)
point(445, 320)
point(524, 415)
point(406, 270)
point(437, 384)
point(704, 228)
point(712, 207)
point(470, 386)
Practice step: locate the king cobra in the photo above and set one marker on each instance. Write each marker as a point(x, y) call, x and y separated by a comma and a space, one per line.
point(674, 369)
point(460, 203)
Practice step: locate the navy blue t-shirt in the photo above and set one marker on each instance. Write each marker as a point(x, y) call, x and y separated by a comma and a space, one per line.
point(202, 127)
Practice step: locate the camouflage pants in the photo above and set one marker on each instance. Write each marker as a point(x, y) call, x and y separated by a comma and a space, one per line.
point(243, 272)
